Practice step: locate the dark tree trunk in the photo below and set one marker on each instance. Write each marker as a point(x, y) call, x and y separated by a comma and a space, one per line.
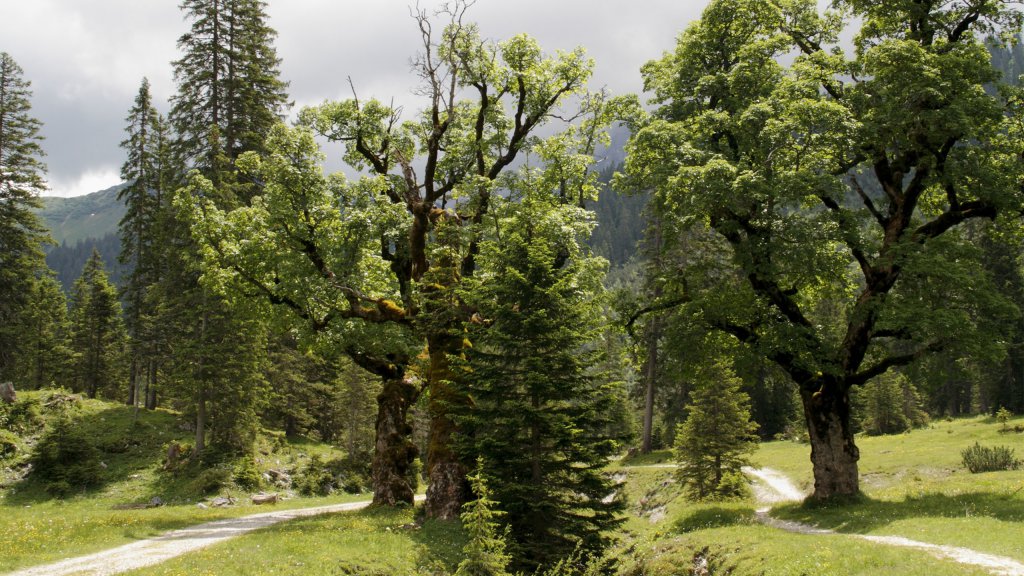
point(833, 452)
point(201, 422)
point(650, 375)
point(394, 451)
point(448, 489)
point(133, 374)
point(151, 387)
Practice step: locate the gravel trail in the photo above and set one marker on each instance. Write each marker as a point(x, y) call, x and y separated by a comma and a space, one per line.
point(773, 487)
point(166, 546)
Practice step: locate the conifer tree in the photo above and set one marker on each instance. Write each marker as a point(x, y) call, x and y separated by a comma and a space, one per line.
point(145, 174)
point(98, 331)
point(45, 355)
point(484, 554)
point(713, 443)
point(539, 412)
point(21, 182)
point(229, 96)
point(227, 80)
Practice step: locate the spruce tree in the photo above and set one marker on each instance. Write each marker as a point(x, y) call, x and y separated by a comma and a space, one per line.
point(713, 443)
point(539, 411)
point(144, 172)
point(484, 554)
point(229, 95)
point(21, 183)
point(228, 81)
point(97, 327)
point(45, 356)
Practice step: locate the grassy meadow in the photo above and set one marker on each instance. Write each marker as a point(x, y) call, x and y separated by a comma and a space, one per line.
point(914, 486)
point(36, 527)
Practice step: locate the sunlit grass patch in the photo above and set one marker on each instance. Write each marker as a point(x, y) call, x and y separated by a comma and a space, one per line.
point(372, 542)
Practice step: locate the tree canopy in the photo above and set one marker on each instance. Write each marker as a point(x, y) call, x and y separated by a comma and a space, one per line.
point(834, 183)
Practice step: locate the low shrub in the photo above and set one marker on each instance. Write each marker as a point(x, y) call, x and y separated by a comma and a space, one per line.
point(980, 458)
point(210, 480)
point(65, 461)
point(22, 417)
point(247, 475)
point(320, 478)
point(8, 444)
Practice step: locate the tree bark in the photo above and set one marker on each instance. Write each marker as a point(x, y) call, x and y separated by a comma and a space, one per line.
point(132, 380)
point(834, 455)
point(650, 375)
point(201, 421)
point(151, 386)
point(394, 451)
point(447, 490)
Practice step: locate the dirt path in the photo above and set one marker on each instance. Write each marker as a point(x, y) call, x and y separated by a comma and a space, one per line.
point(164, 547)
point(772, 487)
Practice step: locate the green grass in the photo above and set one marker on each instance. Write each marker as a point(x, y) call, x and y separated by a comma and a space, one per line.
point(55, 529)
point(914, 485)
point(370, 542)
point(746, 549)
point(37, 528)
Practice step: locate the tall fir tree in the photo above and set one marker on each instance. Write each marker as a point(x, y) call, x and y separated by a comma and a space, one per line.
point(45, 356)
point(229, 96)
point(98, 330)
point(21, 233)
point(145, 174)
point(713, 443)
point(228, 83)
point(538, 410)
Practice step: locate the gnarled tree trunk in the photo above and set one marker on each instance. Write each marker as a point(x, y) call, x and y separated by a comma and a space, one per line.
point(394, 451)
point(833, 452)
point(448, 489)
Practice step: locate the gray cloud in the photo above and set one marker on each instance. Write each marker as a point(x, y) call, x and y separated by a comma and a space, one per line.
point(85, 58)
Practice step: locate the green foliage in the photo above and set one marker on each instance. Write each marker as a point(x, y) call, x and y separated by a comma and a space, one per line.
point(21, 233)
point(8, 443)
point(228, 80)
point(46, 357)
point(24, 417)
point(246, 474)
point(980, 458)
point(98, 336)
point(891, 405)
point(1003, 417)
point(540, 409)
point(714, 442)
point(350, 474)
point(65, 460)
point(209, 480)
point(484, 554)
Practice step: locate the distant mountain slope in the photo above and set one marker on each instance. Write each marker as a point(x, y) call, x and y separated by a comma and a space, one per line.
point(78, 225)
point(91, 216)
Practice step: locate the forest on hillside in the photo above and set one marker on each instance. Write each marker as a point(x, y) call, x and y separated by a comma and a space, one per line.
point(809, 238)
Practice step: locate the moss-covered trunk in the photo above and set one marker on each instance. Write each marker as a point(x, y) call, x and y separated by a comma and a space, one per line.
point(394, 452)
point(448, 489)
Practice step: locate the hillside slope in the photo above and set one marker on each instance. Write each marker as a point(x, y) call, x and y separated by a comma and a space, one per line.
point(78, 218)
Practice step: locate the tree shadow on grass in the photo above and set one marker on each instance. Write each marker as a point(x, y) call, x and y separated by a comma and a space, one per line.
point(705, 518)
point(867, 514)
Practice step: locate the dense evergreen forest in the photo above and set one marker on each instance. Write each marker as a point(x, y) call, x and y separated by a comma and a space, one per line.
point(803, 239)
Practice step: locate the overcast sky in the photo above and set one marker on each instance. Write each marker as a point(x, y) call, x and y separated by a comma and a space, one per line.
point(86, 58)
